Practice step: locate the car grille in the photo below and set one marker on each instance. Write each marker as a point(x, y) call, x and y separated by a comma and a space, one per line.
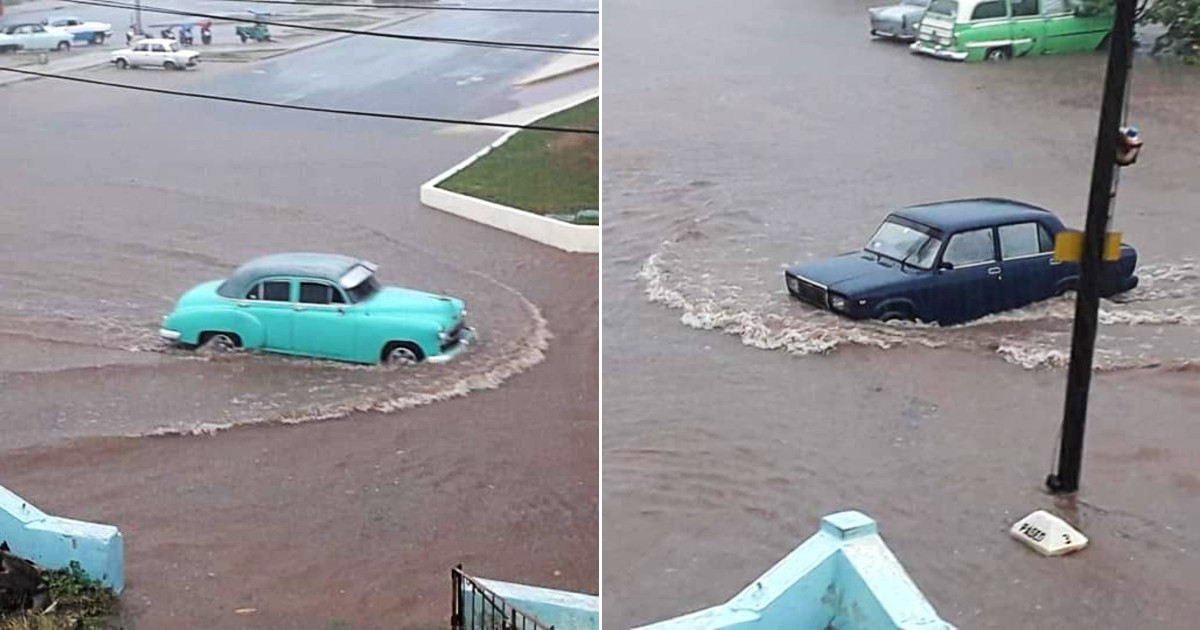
point(455, 335)
point(808, 291)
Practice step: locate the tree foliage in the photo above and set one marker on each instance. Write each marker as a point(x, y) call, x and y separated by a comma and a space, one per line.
point(1182, 21)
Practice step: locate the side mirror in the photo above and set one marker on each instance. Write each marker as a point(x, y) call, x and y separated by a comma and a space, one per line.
point(945, 265)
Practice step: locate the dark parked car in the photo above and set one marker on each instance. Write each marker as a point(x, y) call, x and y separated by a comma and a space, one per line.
point(951, 262)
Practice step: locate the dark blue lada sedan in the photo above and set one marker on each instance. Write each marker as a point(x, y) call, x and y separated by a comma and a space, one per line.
point(951, 262)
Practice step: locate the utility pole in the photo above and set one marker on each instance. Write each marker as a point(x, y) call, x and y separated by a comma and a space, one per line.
point(1087, 302)
point(138, 13)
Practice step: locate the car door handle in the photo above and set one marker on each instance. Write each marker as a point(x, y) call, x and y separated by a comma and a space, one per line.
point(993, 271)
point(297, 308)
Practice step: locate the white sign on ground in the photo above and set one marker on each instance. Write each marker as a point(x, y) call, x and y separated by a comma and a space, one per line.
point(1048, 534)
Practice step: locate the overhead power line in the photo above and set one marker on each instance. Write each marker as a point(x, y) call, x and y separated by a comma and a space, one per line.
point(551, 48)
point(302, 108)
point(421, 7)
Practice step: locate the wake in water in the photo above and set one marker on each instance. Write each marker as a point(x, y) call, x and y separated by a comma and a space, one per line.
point(1155, 324)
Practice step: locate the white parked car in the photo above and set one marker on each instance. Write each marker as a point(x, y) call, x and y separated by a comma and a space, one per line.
point(162, 53)
point(14, 37)
point(86, 32)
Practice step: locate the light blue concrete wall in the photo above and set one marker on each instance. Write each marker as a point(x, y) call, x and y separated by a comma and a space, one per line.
point(54, 542)
point(843, 577)
point(561, 609)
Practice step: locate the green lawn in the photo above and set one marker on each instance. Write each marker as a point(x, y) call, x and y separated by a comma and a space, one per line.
point(544, 172)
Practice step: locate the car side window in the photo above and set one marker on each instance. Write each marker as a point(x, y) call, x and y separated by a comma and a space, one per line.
point(969, 248)
point(1023, 239)
point(1045, 239)
point(157, 48)
point(989, 10)
point(142, 47)
point(1055, 7)
point(316, 293)
point(276, 291)
point(1024, 8)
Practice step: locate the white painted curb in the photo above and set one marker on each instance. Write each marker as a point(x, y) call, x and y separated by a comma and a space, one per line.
point(565, 236)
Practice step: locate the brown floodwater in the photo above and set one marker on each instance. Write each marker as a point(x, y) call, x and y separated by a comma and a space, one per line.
point(740, 140)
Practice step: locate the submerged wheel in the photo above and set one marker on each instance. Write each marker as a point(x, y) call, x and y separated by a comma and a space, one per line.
point(998, 54)
point(896, 315)
point(220, 341)
point(401, 353)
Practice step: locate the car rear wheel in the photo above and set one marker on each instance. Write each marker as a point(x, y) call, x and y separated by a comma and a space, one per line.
point(402, 353)
point(896, 315)
point(97, 39)
point(998, 54)
point(64, 46)
point(122, 64)
point(170, 65)
point(220, 341)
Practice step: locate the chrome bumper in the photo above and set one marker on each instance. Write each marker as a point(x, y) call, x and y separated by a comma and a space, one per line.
point(466, 338)
point(940, 53)
point(168, 334)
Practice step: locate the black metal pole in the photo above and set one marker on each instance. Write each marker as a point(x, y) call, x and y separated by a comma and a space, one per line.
point(1087, 302)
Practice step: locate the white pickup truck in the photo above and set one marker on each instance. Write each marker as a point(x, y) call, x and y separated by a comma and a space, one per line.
point(161, 53)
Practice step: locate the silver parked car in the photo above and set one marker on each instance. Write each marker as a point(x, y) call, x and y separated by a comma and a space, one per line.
point(899, 21)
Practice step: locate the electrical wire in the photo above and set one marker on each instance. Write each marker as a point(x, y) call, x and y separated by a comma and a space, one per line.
point(303, 108)
point(551, 48)
point(419, 7)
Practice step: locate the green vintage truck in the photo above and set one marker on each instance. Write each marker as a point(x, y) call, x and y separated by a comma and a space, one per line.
point(977, 30)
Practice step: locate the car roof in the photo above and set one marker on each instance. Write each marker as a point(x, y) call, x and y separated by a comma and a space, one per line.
point(330, 267)
point(154, 40)
point(966, 214)
point(60, 18)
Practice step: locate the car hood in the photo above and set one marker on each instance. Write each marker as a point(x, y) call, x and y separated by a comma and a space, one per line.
point(896, 13)
point(408, 301)
point(854, 274)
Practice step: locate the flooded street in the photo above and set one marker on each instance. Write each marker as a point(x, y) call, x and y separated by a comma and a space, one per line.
point(741, 140)
point(116, 202)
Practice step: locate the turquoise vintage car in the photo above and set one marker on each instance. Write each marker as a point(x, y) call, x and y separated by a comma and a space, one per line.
point(319, 305)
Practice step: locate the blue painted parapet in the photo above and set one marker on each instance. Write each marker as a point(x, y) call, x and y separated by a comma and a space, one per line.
point(844, 577)
point(561, 610)
point(54, 542)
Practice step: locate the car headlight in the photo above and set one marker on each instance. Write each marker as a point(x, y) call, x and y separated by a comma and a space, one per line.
point(837, 302)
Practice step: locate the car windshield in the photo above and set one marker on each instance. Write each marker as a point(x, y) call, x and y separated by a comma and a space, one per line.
point(944, 7)
point(364, 290)
point(173, 47)
point(913, 244)
point(915, 3)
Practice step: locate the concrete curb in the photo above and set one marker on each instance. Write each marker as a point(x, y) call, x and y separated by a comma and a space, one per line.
point(55, 543)
point(566, 64)
point(568, 237)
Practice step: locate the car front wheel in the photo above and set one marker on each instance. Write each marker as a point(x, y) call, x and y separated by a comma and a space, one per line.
point(998, 54)
point(170, 65)
point(220, 341)
point(122, 64)
point(402, 353)
point(98, 39)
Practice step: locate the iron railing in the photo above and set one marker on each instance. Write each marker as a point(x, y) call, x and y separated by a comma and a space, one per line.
point(478, 608)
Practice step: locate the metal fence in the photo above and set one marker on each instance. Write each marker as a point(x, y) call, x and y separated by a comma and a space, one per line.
point(477, 608)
